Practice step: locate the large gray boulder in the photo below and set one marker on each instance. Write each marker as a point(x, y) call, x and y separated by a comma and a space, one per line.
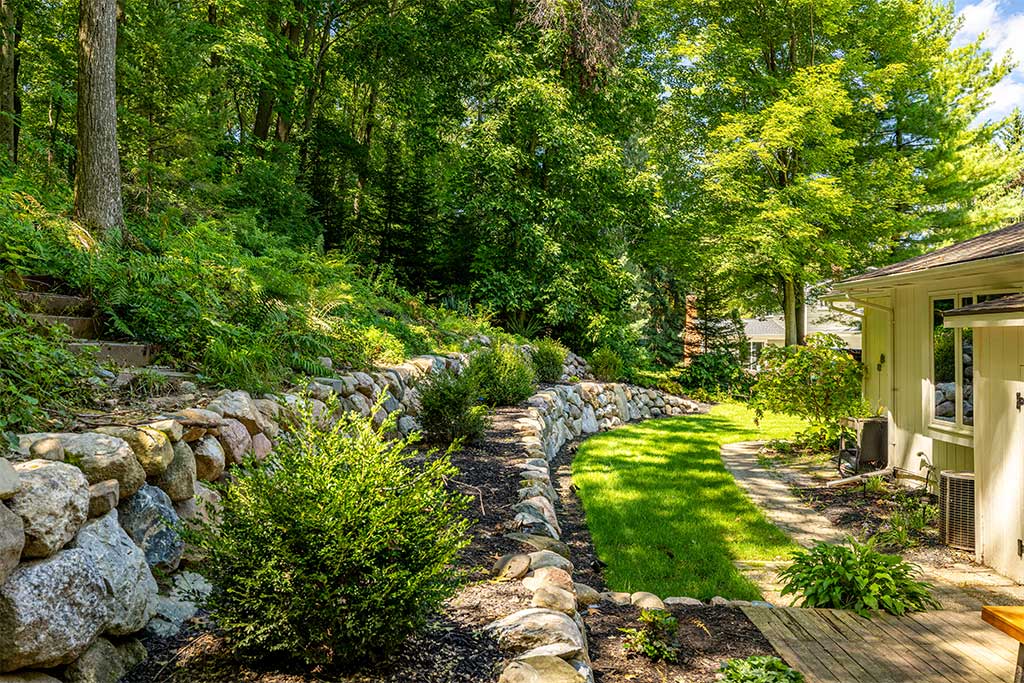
point(150, 520)
point(51, 610)
point(124, 568)
point(152, 448)
point(210, 459)
point(235, 440)
point(105, 662)
point(179, 479)
point(53, 504)
point(102, 457)
point(536, 627)
point(238, 405)
point(12, 541)
point(9, 482)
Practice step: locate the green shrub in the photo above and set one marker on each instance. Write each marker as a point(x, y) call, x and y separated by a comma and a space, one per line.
point(335, 549)
point(502, 375)
point(716, 374)
point(449, 408)
point(656, 637)
point(549, 360)
point(606, 365)
point(819, 382)
point(39, 378)
point(856, 577)
point(759, 669)
point(910, 518)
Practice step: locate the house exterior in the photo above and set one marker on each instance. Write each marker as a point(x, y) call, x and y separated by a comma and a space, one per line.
point(943, 344)
point(770, 330)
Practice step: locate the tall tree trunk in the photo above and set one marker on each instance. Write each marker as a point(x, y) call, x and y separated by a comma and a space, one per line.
point(98, 166)
point(790, 311)
point(264, 110)
point(8, 82)
point(801, 313)
point(19, 24)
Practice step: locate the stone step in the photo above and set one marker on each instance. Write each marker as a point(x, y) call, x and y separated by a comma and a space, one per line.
point(54, 304)
point(80, 327)
point(125, 354)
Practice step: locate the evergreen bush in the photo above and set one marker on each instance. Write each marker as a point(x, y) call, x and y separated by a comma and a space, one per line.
point(450, 408)
point(606, 365)
point(549, 360)
point(715, 374)
point(335, 549)
point(502, 374)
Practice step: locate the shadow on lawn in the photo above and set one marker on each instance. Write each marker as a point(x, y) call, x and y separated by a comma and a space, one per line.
point(664, 513)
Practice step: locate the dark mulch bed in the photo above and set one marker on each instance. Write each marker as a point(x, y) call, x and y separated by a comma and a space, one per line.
point(860, 511)
point(453, 649)
point(864, 513)
point(708, 635)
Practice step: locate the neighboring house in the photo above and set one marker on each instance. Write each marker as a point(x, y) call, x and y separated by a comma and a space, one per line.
point(770, 330)
point(944, 350)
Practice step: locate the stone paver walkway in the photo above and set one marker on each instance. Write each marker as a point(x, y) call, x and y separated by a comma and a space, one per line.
point(960, 587)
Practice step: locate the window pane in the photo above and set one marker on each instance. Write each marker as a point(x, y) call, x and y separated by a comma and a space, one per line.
point(944, 362)
point(967, 352)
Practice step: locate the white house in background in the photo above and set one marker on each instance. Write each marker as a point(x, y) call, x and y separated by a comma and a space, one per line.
point(770, 330)
point(944, 350)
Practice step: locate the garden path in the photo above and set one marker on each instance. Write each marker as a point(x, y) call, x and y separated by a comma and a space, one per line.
point(837, 646)
point(961, 587)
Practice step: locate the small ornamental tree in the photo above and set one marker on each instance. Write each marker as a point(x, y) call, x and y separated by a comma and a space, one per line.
point(335, 549)
point(819, 382)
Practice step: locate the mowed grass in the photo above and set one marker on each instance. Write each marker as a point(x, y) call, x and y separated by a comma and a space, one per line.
point(665, 514)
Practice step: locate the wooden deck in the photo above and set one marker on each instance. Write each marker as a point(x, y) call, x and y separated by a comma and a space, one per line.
point(837, 646)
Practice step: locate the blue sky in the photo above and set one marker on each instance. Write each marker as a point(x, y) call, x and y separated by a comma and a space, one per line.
point(1002, 23)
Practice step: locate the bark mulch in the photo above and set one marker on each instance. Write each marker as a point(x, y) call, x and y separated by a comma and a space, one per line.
point(863, 513)
point(708, 637)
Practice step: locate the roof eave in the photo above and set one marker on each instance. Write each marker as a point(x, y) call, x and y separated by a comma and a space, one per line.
point(894, 279)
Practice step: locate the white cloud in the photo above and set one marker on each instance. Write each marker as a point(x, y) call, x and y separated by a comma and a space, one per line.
point(1002, 24)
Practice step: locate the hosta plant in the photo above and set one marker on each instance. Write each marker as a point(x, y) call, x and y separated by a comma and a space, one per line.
point(857, 577)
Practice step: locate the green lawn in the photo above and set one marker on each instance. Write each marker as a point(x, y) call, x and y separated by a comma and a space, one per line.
point(665, 514)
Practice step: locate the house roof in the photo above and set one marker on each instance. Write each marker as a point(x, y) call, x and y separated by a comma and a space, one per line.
point(818, 320)
point(1008, 304)
point(1009, 240)
point(763, 327)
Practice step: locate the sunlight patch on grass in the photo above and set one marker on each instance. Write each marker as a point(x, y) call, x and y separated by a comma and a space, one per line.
point(665, 514)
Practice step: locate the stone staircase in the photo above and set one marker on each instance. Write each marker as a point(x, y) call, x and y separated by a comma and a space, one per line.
point(78, 314)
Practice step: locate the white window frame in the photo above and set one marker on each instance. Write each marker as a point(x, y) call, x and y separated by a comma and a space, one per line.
point(955, 431)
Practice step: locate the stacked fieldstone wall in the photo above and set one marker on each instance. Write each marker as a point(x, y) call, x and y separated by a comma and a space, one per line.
point(87, 518)
point(548, 640)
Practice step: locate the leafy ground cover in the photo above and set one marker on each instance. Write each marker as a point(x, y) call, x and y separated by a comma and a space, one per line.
point(665, 514)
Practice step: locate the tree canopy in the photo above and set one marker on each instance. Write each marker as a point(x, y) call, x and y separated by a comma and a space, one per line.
point(576, 168)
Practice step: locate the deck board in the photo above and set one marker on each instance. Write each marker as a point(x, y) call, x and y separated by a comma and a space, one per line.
point(933, 647)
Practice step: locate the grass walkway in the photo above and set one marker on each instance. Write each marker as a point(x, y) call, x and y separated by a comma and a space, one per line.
point(664, 513)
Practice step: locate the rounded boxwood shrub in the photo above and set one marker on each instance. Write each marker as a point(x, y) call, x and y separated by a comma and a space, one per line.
point(606, 365)
point(335, 549)
point(502, 375)
point(856, 577)
point(549, 360)
point(450, 409)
